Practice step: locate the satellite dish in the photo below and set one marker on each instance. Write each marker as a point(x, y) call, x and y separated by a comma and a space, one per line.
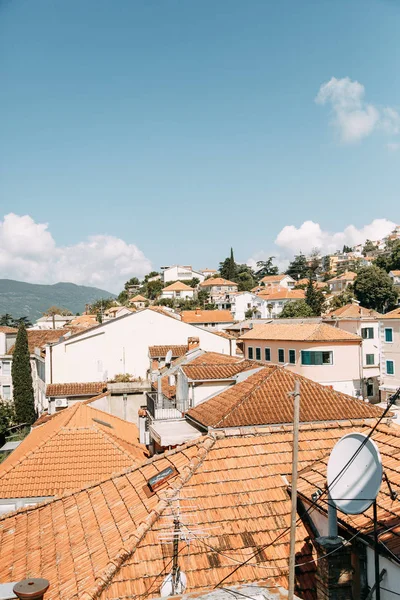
point(168, 357)
point(167, 585)
point(353, 486)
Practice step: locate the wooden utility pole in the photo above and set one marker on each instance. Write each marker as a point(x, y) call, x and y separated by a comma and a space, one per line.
point(293, 515)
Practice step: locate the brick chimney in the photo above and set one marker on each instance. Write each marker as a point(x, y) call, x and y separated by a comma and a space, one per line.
point(334, 575)
point(31, 589)
point(193, 342)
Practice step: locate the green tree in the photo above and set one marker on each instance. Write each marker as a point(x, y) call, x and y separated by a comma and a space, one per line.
point(266, 267)
point(123, 297)
point(298, 268)
point(368, 247)
point(153, 289)
point(130, 282)
point(7, 418)
point(347, 249)
point(341, 299)
point(314, 298)
point(57, 310)
point(296, 309)
point(25, 320)
point(391, 259)
point(374, 289)
point(6, 320)
point(24, 402)
point(101, 305)
point(245, 278)
point(150, 275)
point(228, 268)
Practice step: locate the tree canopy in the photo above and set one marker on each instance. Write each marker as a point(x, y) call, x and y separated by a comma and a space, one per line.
point(57, 310)
point(298, 268)
point(228, 268)
point(314, 298)
point(374, 289)
point(391, 260)
point(266, 268)
point(24, 402)
point(297, 308)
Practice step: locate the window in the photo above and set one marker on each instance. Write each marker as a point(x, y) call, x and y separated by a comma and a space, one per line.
point(6, 392)
point(389, 367)
point(367, 333)
point(258, 353)
point(308, 357)
point(370, 389)
point(370, 359)
point(250, 353)
point(292, 357)
point(388, 334)
point(281, 355)
point(6, 370)
point(267, 354)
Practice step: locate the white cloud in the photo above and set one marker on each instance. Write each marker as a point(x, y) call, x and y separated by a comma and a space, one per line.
point(29, 252)
point(393, 146)
point(353, 118)
point(291, 239)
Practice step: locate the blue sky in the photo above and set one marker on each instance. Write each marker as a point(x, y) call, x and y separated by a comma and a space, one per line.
point(182, 128)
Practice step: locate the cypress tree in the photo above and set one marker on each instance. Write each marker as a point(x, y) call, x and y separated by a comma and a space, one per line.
point(314, 298)
point(24, 402)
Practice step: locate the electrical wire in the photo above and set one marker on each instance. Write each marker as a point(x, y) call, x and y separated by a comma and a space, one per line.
point(391, 401)
point(390, 591)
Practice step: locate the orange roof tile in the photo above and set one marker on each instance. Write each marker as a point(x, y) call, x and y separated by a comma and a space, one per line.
point(138, 298)
point(263, 399)
point(353, 311)
point(346, 276)
point(6, 329)
point(37, 338)
point(307, 332)
point(198, 372)
point(396, 272)
point(217, 281)
point(161, 351)
point(178, 286)
point(62, 390)
point(79, 445)
point(272, 278)
point(207, 316)
point(214, 358)
point(393, 314)
point(281, 294)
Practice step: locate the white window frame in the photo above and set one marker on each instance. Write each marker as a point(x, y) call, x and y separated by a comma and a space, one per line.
point(388, 329)
point(2, 392)
point(8, 363)
point(366, 359)
point(295, 357)
point(281, 362)
point(252, 351)
point(269, 359)
point(258, 348)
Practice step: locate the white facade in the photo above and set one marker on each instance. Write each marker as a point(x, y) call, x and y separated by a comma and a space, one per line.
point(122, 346)
point(181, 273)
point(241, 302)
point(285, 281)
point(389, 330)
point(56, 322)
point(177, 294)
point(7, 340)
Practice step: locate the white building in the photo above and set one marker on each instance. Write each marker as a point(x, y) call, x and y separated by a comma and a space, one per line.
point(389, 327)
point(122, 346)
point(218, 287)
point(395, 277)
point(277, 298)
point(178, 291)
point(7, 340)
point(281, 280)
point(239, 303)
point(364, 323)
point(181, 273)
point(53, 322)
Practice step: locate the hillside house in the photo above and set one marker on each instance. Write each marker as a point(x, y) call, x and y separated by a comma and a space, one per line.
point(218, 287)
point(213, 320)
point(178, 291)
point(181, 273)
point(363, 322)
point(277, 298)
point(341, 282)
point(240, 303)
point(323, 353)
point(395, 277)
point(138, 302)
point(389, 331)
point(282, 280)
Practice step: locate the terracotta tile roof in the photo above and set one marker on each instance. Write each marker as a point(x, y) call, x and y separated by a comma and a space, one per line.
point(78, 446)
point(168, 390)
point(138, 298)
point(62, 390)
point(162, 311)
point(393, 314)
point(263, 399)
point(388, 510)
point(5, 329)
point(227, 371)
point(273, 278)
point(161, 351)
point(217, 281)
point(178, 286)
point(346, 276)
point(207, 316)
point(317, 284)
point(37, 338)
point(225, 335)
point(84, 321)
point(353, 311)
point(281, 294)
point(396, 272)
point(304, 332)
point(214, 358)
point(104, 542)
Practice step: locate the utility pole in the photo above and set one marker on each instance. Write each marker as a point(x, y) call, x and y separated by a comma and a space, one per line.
point(293, 515)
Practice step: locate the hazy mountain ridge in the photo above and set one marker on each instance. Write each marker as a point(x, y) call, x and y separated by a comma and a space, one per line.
point(19, 298)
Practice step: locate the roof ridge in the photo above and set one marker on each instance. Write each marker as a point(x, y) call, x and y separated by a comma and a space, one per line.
point(114, 440)
point(272, 370)
point(105, 578)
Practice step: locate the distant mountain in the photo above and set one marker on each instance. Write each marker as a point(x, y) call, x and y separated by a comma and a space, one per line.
point(28, 299)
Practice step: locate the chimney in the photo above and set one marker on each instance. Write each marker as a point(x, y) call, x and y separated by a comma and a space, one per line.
point(334, 575)
point(182, 391)
point(193, 342)
point(31, 589)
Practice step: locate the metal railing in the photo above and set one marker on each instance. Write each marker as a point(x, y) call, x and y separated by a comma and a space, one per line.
point(161, 408)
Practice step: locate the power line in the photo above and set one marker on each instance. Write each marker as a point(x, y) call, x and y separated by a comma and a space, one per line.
point(391, 401)
point(390, 591)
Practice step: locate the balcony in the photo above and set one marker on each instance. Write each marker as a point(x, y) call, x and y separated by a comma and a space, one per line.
point(163, 408)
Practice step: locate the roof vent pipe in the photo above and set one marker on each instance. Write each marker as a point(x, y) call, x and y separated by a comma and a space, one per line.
point(31, 589)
